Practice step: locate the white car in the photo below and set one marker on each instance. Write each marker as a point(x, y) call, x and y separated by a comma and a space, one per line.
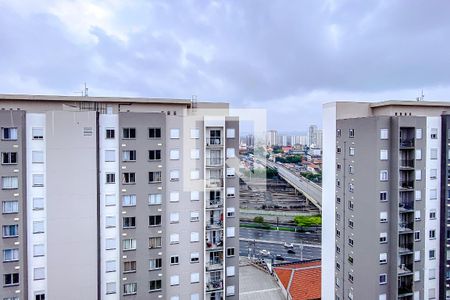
point(288, 245)
point(264, 252)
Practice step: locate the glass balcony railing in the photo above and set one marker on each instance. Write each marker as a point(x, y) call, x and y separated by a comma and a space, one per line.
point(214, 141)
point(212, 285)
point(214, 161)
point(215, 223)
point(214, 182)
point(406, 143)
point(214, 264)
point(405, 227)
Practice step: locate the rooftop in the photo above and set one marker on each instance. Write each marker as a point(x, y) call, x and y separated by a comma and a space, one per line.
point(302, 280)
point(255, 284)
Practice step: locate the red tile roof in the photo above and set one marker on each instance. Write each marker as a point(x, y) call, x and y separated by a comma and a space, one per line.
point(306, 279)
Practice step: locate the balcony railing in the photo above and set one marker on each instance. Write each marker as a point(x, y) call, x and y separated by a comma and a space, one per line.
point(214, 141)
point(214, 161)
point(405, 227)
point(405, 247)
point(407, 163)
point(214, 244)
point(214, 182)
point(406, 205)
point(407, 184)
point(214, 203)
point(214, 264)
point(406, 143)
point(214, 224)
point(212, 285)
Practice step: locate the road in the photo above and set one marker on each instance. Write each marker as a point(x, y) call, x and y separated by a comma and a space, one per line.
point(312, 191)
point(252, 241)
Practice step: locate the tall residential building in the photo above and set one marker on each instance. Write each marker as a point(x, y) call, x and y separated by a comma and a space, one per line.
point(386, 200)
point(118, 198)
point(312, 135)
point(272, 137)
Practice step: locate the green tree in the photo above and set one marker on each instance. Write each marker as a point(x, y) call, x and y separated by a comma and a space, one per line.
point(258, 219)
point(308, 221)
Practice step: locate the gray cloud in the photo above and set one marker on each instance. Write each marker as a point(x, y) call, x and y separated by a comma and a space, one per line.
point(277, 54)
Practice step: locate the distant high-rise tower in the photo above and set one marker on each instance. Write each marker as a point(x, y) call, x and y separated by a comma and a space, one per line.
point(272, 137)
point(312, 135)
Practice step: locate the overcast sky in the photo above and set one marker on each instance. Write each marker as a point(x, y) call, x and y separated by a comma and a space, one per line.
point(286, 56)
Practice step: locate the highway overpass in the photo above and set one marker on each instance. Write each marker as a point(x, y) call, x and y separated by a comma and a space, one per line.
point(312, 191)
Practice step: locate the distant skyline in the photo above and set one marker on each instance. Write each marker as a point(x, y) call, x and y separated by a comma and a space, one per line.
point(286, 57)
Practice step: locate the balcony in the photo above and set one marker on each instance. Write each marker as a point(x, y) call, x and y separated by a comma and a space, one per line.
point(212, 183)
point(214, 162)
point(406, 184)
point(406, 143)
point(406, 164)
point(214, 224)
point(214, 244)
point(405, 269)
point(213, 203)
point(218, 295)
point(405, 248)
point(214, 142)
point(404, 227)
point(215, 263)
point(406, 206)
point(212, 285)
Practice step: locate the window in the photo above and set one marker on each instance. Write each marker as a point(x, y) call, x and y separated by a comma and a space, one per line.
point(384, 175)
point(195, 237)
point(383, 278)
point(351, 133)
point(350, 242)
point(195, 196)
point(129, 266)
point(433, 194)
point(231, 172)
point(110, 266)
point(174, 175)
point(433, 153)
point(155, 285)
point(383, 217)
point(38, 180)
point(432, 234)
point(195, 216)
point(110, 178)
point(174, 280)
point(154, 133)
point(432, 214)
point(11, 279)
point(154, 199)
point(174, 133)
point(432, 293)
point(155, 264)
point(383, 258)
point(129, 200)
point(417, 236)
point(230, 290)
point(432, 254)
point(351, 187)
point(350, 205)
point(37, 133)
point(195, 277)
point(195, 174)
point(174, 154)
point(10, 255)
point(384, 134)
point(174, 260)
point(129, 244)
point(416, 255)
point(351, 151)
point(10, 182)
point(38, 226)
point(418, 154)
point(195, 297)
point(230, 153)
point(338, 132)
point(195, 133)
point(110, 199)
point(433, 133)
point(130, 288)
point(230, 212)
point(40, 296)
point(10, 206)
point(110, 133)
point(383, 154)
point(433, 173)
point(10, 230)
point(154, 220)
point(129, 155)
point(155, 242)
point(110, 244)
point(129, 178)
point(383, 196)
point(195, 153)
point(110, 155)
point(154, 155)
point(418, 195)
point(231, 133)
point(230, 251)
point(38, 203)
point(338, 149)
point(9, 133)
point(195, 257)
point(432, 274)
point(174, 217)
point(128, 222)
point(110, 288)
point(230, 231)
point(230, 192)
point(383, 237)
point(418, 175)
point(417, 215)
point(9, 158)
point(38, 250)
point(350, 223)
point(154, 177)
point(110, 221)
point(418, 133)
point(129, 133)
point(350, 259)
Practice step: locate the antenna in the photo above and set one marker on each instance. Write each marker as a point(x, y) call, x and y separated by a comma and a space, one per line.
point(86, 89)
point(421, 97)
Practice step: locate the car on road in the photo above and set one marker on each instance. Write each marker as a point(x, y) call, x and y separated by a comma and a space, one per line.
point(264, 252)
point(290, 251)
point(279, 257)
point(288, 245)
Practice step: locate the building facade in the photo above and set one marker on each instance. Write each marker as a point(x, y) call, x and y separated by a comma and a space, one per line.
point(385, 201)
point(118, 198)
